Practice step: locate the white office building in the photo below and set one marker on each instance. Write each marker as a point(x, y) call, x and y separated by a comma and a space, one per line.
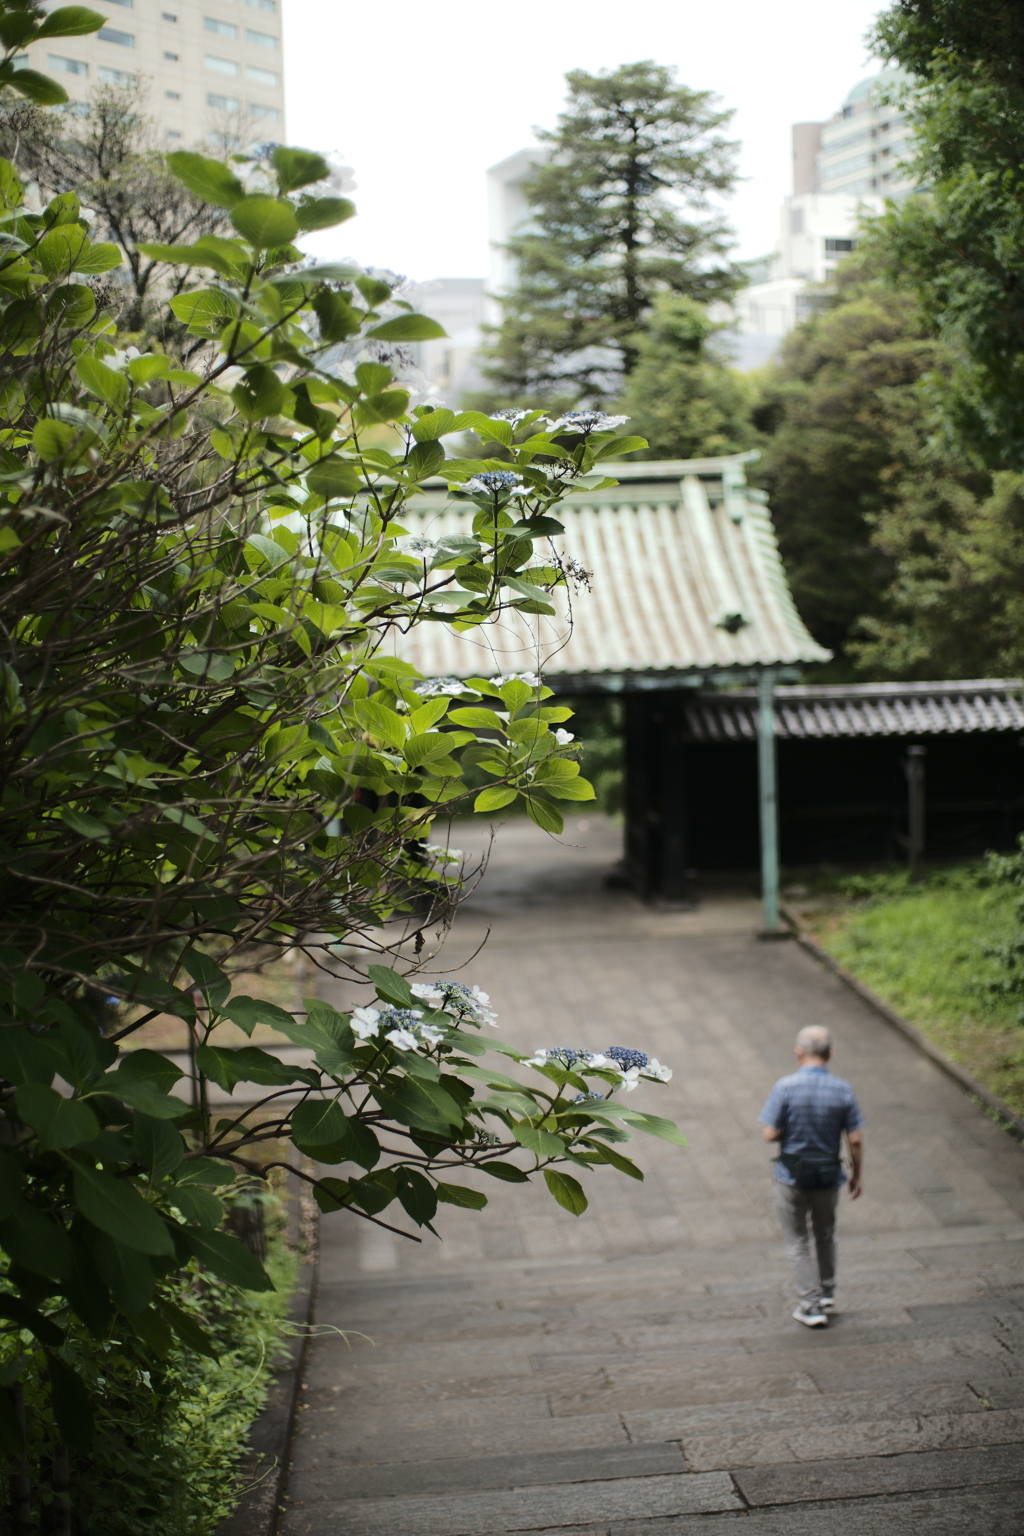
point(842, 169)
point(206, 65)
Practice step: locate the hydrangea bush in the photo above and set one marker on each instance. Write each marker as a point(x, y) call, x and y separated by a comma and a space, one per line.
point(207, 744)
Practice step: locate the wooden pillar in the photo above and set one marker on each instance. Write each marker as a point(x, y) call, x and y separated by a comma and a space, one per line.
point(914, 767)
point(768, 796)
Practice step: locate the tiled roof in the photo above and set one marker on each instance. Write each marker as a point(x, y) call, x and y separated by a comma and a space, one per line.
point(684, 572)
point(862, 709)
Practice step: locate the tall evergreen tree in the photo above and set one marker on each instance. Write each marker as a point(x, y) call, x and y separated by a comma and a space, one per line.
point(620, 212)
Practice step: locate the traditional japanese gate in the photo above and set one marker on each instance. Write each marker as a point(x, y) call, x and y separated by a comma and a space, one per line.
point(684, 589)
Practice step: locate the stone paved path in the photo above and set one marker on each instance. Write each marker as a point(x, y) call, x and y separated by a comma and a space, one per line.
point(636, 1372)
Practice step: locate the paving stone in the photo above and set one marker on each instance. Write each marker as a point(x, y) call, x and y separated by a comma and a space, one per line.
point(334, 1477)
point(379, 1441)
point(523, 1509)
point(681, 1387)
point(982, 1512)
point(790, 1484)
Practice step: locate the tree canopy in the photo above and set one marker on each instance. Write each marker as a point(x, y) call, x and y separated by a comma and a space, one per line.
point(620, 210)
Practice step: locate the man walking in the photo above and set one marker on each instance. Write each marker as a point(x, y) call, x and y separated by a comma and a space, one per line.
point(807, 1114)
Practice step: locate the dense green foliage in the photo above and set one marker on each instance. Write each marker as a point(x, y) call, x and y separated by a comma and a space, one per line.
point(619, 212)
point(682, 394)
point(208, 742)
point(169, 1431)
point(932, 950)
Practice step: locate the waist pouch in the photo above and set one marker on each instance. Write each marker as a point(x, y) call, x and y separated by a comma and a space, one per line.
point(812, 1171)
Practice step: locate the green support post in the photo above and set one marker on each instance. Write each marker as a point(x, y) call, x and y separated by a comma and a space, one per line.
point(769, 802)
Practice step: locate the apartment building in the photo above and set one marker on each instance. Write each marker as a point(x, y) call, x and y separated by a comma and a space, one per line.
point(204, 64)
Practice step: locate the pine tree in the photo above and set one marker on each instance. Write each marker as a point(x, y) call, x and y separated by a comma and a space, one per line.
point(619, 213)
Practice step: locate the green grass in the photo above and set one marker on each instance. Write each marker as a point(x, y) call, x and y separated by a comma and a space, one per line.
point(922, 948)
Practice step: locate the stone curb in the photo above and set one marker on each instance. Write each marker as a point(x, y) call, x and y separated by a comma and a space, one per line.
point(1011, 1121)
point(269, 1437)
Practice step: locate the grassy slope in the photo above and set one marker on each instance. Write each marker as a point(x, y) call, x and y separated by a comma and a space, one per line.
point(923, 950)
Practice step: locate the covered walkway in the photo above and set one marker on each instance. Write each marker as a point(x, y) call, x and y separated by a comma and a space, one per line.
point(636, 1372)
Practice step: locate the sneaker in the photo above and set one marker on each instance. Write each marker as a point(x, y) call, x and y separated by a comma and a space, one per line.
point(812, 1316)
point(827, 1304)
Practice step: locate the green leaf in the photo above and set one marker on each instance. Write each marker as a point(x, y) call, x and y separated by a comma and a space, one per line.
point(198, 1205)
point(51, 440)
point(71, 1405)
point(24, 1057)
point(319, 1122)
point(323, 212)
point(383, 723)
point(543, 814)
point(38, 1242)
point(228, 1258)
point(435, 424)
point(204, 309)
point(10, 1184)
point(103, 382)
point(391, 987)
point(208, 179)
point(332, 477)
point(478, 719)
point(654, 1125)
point(38, 88)
point(508, 1172)
point(458, 1194)
point(57, 1121)
point(208, 976)
point(118, 1209)
point(99, 258)
point(228, 1067)
point(188, 1330)
point(247, 1012)
point(298, 167)
point(12, 1439)
point(408, 328)
point(494, 799)
point(70, 21)
point(541, 1143)
point(265, 221)
point(569, 789)
point(416, 1194)
point(623, 1164)
point(158, 1146)
point(566, 1190)
point(127, 1273)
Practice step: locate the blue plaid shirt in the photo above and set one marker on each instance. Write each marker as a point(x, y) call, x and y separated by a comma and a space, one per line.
point(812, 1109)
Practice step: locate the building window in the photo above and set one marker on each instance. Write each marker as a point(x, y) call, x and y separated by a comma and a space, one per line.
point(172, 56)
point(122, 39)
point(831, 146)
point(168, 16)
point(223, 28)
point(262, 76)
point(66, 66)
point(845, 167)
point(270, 114)
point(221, 103)
point(260, 39)
point(839, 247)
point(172, 133)
point(263, 5)
point(115, 76)
point(221, 66)
point(173, 95)
point(128, 4)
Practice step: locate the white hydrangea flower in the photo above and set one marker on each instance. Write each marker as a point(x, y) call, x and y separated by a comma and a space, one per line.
point(631, 1079)
point(529, 678)
point(428, 992)
point(414, 544)
point(430, 1034)
point(402, 1039)
point(365, 1022)
point(563, 737)
point(655, 1069)
point(586, 421)
point(121, 358)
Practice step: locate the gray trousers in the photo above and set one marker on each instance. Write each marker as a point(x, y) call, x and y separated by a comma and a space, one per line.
point(815, 1209)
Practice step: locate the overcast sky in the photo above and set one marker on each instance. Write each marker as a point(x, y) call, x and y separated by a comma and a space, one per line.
point(420, 98)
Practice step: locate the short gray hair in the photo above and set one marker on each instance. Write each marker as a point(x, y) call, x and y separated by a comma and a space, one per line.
point(815, 1040)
